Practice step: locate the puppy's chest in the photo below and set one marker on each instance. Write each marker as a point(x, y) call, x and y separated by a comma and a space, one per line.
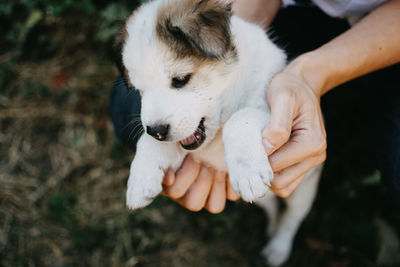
point(213, 153)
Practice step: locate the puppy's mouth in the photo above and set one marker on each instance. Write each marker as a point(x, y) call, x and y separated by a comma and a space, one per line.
point(196, 139)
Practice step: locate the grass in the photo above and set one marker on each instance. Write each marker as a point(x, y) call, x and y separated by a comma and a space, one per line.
point(63, 173)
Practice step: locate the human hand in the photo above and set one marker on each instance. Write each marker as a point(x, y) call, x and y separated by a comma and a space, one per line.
point(295, 138)
point(196, 186)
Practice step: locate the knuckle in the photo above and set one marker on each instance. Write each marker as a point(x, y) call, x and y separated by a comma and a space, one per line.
point(208, 172)
point(277, 184)
point(280, 132)
point(219, 179)
point(318, 145)
point(175, 192)
point(283, 193)
point(280, 181)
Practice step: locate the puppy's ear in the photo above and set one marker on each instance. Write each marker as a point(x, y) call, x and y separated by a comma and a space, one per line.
point(201, 26)
point(118, 46)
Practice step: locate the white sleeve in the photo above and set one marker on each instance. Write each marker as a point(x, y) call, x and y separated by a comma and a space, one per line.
point(288, 2)
point(352, 10)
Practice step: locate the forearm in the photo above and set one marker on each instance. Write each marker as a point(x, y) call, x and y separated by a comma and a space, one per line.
point(260, 12)
point(372, 44)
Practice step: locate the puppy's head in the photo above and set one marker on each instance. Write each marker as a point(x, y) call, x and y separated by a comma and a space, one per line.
point(180, 55)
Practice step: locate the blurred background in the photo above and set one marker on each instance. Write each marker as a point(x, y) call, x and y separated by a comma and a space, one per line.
point(63, 172)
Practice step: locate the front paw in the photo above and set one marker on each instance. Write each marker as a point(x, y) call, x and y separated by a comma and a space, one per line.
point(144, 185)
point(250, 176)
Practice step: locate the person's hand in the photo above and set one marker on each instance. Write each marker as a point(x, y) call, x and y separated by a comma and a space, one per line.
point(295, 138)
point(196, 186)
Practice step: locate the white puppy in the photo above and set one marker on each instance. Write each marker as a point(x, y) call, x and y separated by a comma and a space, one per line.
point(203, 75)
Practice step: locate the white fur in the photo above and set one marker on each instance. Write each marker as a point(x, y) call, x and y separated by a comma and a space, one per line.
point(232, 99)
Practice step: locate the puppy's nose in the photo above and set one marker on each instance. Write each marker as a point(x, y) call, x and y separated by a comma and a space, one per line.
point(159, 132)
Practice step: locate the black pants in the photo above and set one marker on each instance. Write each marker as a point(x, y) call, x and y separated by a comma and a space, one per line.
point(298, 30)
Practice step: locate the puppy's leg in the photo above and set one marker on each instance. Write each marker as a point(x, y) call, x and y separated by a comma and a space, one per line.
point(151, 161)
point(269, 203)
point(249, 170)
point(299, 204)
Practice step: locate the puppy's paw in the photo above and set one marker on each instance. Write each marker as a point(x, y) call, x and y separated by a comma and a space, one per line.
point(250, 176)
point(143, 186)
point(276, 252)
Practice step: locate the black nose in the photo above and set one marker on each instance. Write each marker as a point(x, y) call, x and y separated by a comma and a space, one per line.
point(159, 132)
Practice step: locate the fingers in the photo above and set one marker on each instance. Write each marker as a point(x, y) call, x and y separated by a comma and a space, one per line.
point(197, 194)
point(307, 145)
point(195, 187)
point(286, 181)
point(209, 190)
point(184, 178)
point(278, 130)
point(217, 197)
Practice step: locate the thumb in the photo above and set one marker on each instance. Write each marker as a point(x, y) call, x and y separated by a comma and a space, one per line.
point(278, 130)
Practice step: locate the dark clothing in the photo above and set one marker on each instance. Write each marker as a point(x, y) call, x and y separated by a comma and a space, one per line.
point(125, 107)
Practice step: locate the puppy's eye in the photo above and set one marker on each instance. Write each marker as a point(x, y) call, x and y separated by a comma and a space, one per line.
point(179, 82)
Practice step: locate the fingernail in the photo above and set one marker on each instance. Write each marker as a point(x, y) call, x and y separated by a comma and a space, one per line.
point(268, 147)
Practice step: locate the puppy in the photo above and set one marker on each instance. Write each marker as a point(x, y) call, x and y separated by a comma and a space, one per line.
point(203, 75)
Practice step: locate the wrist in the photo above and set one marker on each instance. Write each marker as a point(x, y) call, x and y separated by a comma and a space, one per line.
point(309, 68)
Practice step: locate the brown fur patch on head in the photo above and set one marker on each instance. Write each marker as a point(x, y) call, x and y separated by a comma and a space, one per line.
point(196, 28)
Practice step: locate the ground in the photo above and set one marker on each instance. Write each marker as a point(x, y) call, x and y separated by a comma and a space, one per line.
point(63, 172)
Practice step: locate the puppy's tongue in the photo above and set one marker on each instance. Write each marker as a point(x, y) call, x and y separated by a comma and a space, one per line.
point(196, 139)
point(188, 141)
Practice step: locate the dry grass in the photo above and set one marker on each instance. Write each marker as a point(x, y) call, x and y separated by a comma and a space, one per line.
point(56, 145)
